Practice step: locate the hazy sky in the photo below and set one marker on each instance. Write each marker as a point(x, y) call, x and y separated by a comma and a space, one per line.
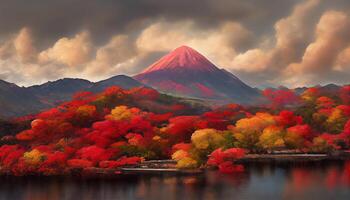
point(264, 42)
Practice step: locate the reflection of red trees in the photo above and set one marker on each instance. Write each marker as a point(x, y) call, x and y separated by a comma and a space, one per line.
point(345, 176)
point(332, 178)
point(305, 178)
point(227, 167)
point(302, 179)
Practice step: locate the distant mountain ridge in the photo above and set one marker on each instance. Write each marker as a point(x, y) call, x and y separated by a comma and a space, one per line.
point(185, 72)
point(17, 101)
point(327, 89)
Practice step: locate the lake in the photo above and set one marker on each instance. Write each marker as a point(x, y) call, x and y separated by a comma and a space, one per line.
point(325, 180)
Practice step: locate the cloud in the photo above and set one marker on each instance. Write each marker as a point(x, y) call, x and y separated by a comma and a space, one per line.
point(292, 34)
point(6, 50)
point(112, 57)
point(70, 51)
point(19, 46)
point(15, 71)
point(217, 44)
point(162, 36)
point(21, 63)
point(52, 19)
point(342, 62)
point(24, 47)
point(119, 49)
point(253, 60)
point(332, 36)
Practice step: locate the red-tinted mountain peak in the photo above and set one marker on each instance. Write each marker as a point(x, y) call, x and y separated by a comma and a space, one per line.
point(183, 57)
point(186, 72)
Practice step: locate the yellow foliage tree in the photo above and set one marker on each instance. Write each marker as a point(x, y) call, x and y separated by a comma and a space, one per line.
point(310, 95)
point(256, 123)
point(86, 110)
point(272, 138)
point(293, 140)
point(207, 139)
point(319, 144)
point(179, 154)
point(186, 163)
point(122, 113)
point(34, 157)
point(248, 130)
point(336, 121)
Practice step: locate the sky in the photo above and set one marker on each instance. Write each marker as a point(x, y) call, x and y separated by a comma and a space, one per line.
point(265, 43)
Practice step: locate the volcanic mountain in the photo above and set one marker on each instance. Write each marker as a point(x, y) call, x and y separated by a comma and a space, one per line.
point(185, 72)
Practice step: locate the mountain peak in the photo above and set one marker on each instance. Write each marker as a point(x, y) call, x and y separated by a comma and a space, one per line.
point(182, 58)
point(185, 72)
point(183, 50)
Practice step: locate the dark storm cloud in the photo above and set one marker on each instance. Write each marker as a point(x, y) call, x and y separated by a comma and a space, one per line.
point(51, 19)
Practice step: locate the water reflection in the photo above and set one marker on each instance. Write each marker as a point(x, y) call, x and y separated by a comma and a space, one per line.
point(317, 181)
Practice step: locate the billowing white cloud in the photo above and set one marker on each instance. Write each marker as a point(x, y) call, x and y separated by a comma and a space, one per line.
point(252, 61)
point(118, 50)
point(20, 46)
point(24, 47)
point(163, 36)
point(342, 62)
point(118, 53)
point(219, 44)
point(6, 49)
point(332, 36)
point(292, 34)
point(70, 51)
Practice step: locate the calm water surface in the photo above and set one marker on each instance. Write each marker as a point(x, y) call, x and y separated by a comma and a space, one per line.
point(315, 182)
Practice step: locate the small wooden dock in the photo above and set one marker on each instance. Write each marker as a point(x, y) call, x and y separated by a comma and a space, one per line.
point(158, 167)
point(135, 170)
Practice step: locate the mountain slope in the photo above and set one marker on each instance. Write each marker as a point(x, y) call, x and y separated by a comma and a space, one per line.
point(186, 72)
point(122, 81)
point(54, 92)
point(17, 101)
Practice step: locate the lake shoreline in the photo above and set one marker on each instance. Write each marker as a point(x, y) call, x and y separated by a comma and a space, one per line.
point(168, 167)
point(295, 157)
